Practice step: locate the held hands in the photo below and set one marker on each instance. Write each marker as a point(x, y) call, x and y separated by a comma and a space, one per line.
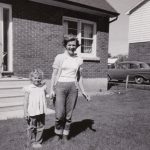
point(52, 94)
point(53, 97)
point(48, 98)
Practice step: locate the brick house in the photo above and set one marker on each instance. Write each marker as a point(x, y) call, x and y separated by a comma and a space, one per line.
point(32, 34)
point(139, 32)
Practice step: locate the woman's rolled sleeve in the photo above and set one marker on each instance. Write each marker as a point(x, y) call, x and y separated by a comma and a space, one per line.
point(80, 61)
point(56, 63)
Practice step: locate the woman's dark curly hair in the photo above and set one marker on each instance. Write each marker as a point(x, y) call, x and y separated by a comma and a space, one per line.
point(70, 37)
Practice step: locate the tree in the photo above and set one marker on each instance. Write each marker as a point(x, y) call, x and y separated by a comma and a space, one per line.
point(121, 58)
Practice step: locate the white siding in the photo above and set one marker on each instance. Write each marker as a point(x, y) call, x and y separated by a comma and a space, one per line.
point(139, 24)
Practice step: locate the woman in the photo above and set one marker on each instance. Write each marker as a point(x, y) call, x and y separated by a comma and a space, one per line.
point(66, 77)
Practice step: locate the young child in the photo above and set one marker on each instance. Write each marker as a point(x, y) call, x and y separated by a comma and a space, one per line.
point(35, 106)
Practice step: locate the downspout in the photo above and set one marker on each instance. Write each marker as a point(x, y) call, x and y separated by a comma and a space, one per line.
point(113, 19)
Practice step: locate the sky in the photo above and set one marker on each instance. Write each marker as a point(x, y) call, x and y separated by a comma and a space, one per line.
point(118, 32)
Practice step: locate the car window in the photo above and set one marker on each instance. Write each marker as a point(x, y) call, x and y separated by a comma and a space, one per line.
point(133, 66)
point(144, 66)
point(122, 66)
point(111, 66)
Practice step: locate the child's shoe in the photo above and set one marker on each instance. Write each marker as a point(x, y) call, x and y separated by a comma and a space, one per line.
point(57, 138)
point(65, 139)
point(36, 145)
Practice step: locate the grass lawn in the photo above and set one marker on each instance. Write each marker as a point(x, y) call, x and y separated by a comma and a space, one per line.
point(108, 122)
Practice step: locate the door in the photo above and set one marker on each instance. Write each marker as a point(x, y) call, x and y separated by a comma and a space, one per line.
point(120, 72)
point(5, 38)
point(1, 39)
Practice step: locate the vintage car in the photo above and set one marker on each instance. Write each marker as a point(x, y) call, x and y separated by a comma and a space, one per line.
point(136, 71)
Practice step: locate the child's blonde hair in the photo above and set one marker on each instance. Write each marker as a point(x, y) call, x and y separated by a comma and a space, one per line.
point(36, 73)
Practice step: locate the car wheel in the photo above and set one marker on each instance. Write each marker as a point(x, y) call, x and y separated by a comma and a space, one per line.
point(139, 80)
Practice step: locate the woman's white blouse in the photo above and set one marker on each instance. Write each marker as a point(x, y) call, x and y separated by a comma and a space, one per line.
point(69, 67)
point(37, 99)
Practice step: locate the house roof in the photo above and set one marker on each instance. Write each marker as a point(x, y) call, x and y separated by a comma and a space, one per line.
point(98, 4)
point(94, 5)
point(137, 6)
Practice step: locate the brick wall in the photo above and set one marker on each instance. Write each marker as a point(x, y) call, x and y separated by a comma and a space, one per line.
point(35, 46)
point(140, 51)
point(38, 35)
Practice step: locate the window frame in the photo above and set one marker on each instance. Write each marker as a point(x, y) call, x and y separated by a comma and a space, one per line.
point(94, 45)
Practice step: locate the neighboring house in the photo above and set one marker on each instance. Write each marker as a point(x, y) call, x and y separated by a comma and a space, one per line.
point(32, 33)
point(139, 32)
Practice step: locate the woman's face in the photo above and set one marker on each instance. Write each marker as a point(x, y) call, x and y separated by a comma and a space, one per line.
point(71, 47)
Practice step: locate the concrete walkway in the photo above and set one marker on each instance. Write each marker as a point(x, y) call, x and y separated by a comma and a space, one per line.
point(18, 114)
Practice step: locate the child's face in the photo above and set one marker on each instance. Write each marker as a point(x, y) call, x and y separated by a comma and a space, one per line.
point(36, 80)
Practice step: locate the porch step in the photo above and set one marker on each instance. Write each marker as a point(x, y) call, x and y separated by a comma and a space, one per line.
point(11, 93)
point(10, 88)
point(13, 81)
point(11, 106)
point(10, 98)
point(11, 101)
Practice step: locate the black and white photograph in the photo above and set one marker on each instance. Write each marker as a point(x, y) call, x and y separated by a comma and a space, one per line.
point(75, 74)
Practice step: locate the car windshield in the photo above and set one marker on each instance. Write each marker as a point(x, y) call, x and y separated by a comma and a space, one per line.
point(144, 66)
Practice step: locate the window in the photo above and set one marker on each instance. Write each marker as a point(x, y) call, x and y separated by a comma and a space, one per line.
point(144, 66)
point(122, 66)
point(86, 34)
point(133, 66)
point(6, 36)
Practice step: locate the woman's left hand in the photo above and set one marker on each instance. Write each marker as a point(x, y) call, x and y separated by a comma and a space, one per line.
point(87, 97)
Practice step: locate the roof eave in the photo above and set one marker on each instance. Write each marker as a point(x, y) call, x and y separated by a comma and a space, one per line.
point(78, 7)
point(136, 7)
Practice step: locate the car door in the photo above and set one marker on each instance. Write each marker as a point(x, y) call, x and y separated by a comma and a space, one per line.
point(133, 70)
point(120, 72)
